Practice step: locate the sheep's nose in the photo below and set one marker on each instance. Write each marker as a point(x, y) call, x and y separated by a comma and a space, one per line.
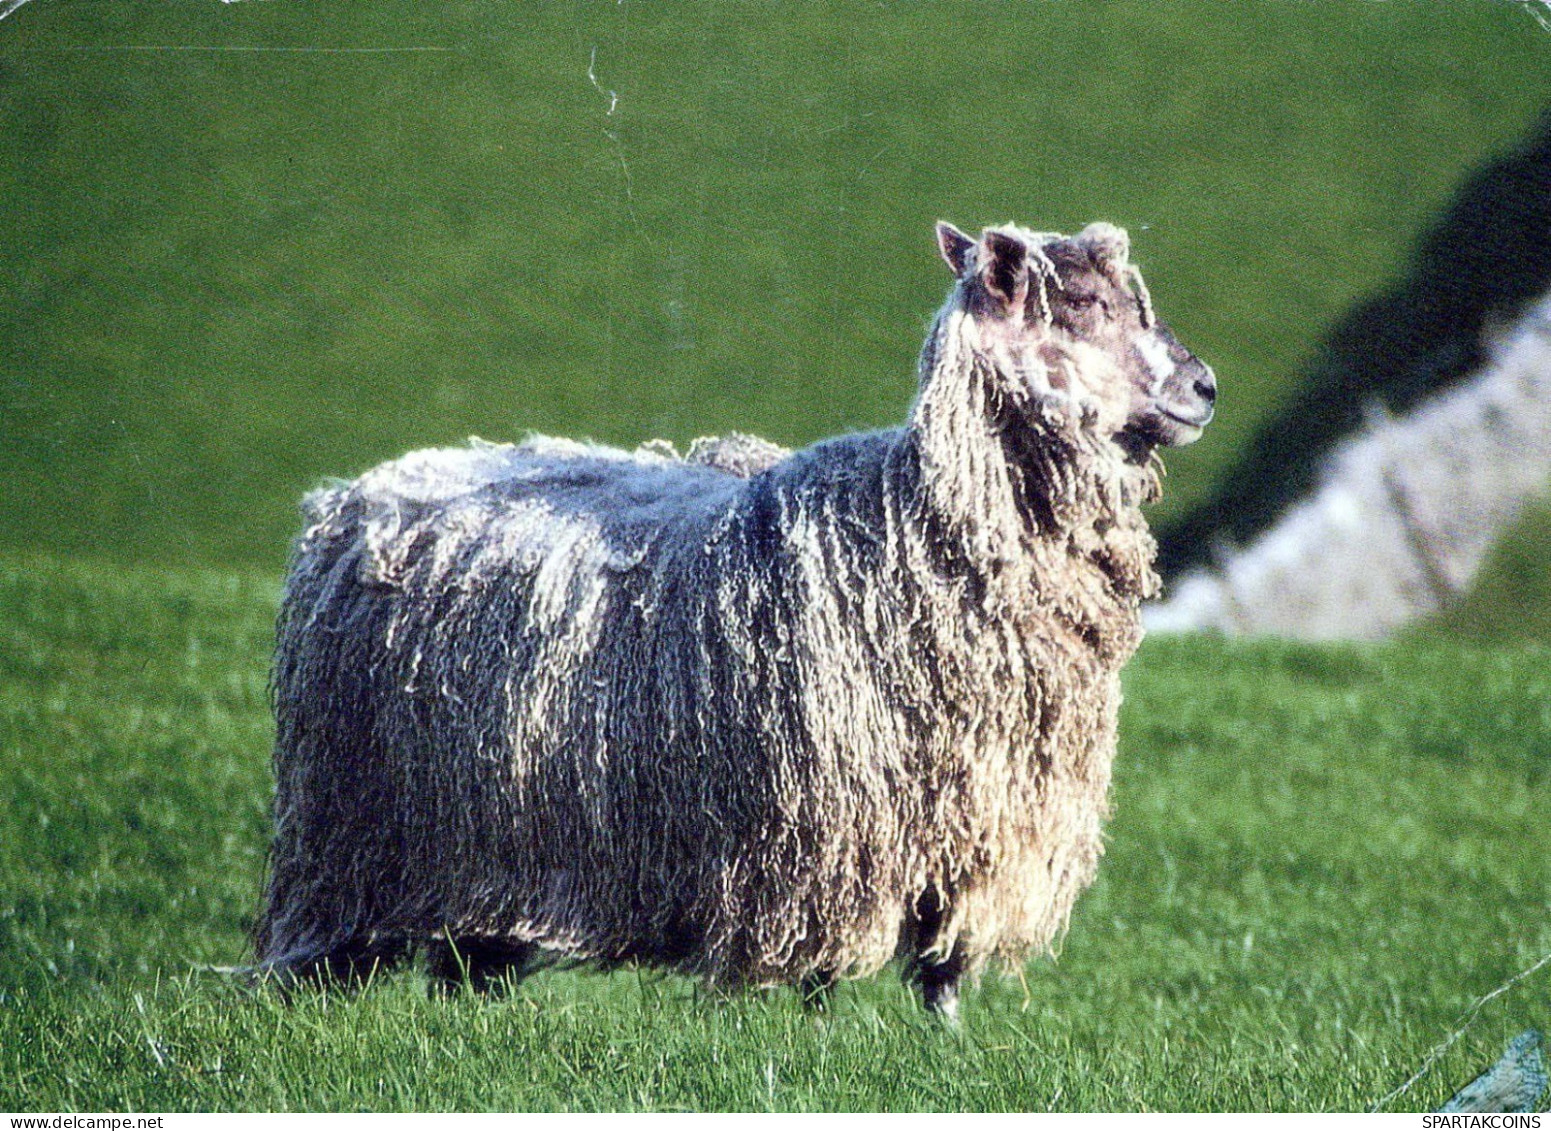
point(1206, 388)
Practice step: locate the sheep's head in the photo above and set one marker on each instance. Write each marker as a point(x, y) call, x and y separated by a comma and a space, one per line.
point(1069, 318)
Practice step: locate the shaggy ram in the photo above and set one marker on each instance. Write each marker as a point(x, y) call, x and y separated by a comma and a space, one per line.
point(756, 716)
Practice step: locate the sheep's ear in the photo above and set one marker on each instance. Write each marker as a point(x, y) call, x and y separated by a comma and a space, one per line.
point(955, 247)
point(1005, 267)
point(1108, 246)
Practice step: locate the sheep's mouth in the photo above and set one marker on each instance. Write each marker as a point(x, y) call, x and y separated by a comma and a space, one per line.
point(1171, 426)
point(1197, 420)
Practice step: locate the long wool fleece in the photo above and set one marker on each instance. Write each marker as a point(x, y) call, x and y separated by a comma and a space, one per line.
point(633, 707)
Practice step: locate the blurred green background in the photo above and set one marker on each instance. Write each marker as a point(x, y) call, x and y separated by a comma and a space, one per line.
point(246, 246)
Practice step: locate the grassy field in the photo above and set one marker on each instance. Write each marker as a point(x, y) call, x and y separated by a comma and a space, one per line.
point(1320, 857)
point(245, 246)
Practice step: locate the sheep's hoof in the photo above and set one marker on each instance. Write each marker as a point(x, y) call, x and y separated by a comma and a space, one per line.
point(486, 966)
point(942, 1001)
point(939, 982)
point(350, 967)
point(816, 990)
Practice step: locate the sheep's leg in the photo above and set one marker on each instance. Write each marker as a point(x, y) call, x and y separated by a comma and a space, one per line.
point(938, 978)
point(816, 989)
point(939, 982)
point(485, 965)
point(351, 965)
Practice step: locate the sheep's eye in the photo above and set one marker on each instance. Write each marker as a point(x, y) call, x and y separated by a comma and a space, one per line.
point(1086, 301)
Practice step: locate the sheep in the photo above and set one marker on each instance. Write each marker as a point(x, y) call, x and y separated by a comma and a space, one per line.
point(763, 718)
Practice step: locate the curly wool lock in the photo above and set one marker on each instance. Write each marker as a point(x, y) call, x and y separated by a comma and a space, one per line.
point(761, 717)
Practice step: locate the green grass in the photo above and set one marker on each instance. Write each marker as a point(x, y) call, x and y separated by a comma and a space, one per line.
point(230, 273)
point(1319, 858)
point(1510, 598)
